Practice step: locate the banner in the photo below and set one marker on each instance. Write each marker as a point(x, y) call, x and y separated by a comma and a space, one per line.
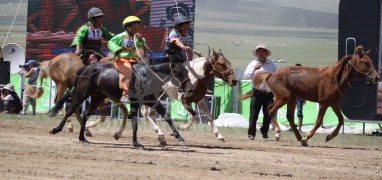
point(52, 24)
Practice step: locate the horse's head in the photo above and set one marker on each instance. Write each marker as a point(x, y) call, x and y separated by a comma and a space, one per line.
point(363, 66)
point(222, 68)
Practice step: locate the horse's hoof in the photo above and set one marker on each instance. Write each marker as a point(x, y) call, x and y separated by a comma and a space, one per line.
point(162, 141)
point(70, 129)
point(182, 127)
point(329, 137)
point(54, 131)
point(85, 142)
point(138, 146)
point(116, 136)
point(277, 137)
point(304, 143)
point(88, 133)
point(221, 140)
point(182, 143)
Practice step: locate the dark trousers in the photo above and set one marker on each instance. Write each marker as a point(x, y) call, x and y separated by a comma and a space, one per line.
point(300, 103)
point(180, 71)
point(259, 99)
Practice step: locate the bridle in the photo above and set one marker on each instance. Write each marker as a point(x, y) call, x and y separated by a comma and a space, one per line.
point(224, 74)
point(362, 74)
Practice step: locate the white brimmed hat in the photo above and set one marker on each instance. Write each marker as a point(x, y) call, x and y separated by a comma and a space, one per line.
point(9, 87)
point(261, 46)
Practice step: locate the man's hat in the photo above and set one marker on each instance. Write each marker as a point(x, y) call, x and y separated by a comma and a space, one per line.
point(261, 46)
point(9, 87)
point(30, 62)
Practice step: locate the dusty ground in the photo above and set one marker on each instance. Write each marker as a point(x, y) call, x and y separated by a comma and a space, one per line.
point(28, 151)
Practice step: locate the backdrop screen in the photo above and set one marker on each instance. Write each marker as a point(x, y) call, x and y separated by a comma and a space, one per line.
point(52, 24)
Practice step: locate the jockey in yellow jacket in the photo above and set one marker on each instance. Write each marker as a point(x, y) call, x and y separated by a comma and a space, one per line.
point(124, 47)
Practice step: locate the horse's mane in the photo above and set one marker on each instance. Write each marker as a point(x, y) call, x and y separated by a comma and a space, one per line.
point(331, 72)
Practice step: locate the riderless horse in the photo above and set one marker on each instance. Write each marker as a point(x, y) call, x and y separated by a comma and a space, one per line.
point(325, 85)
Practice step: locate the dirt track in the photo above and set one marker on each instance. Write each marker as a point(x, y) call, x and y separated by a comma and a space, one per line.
point(28, 151)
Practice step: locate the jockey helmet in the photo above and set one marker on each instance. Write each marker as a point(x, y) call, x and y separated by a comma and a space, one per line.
point(94, 12)
point(180, 20)
point(130, 20)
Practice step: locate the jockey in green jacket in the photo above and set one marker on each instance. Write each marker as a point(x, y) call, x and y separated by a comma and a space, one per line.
point(88, 37)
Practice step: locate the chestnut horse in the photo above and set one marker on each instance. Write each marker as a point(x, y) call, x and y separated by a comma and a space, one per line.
point(325, 85)
point(62, 70)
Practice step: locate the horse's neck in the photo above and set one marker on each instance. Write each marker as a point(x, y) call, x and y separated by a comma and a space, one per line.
point(197, 69)
point(346, 76)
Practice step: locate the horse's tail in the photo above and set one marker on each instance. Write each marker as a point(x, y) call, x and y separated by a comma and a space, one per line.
point(60, 103)
point(260, 78)
point(36, 93)
point(244, 96)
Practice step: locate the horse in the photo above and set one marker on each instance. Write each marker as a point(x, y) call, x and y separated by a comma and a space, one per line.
point(325, 85)
point(62, 70)
point(101, 80)
point(200, 70)
point(217, 63)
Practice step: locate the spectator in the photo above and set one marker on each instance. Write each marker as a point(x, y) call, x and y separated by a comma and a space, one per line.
point(11, 100)
point(263, 97)
point(31, 72)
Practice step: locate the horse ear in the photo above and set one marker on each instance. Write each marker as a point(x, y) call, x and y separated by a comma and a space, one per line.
point(215, 54)
point(359, 51)
point(220, 51)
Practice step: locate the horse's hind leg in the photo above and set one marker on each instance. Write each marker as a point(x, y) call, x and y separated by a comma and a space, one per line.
point(290, 116)
point(321, 112)
point(203, 107)
point(336, 110)
point(95, 101)
point(79, 119)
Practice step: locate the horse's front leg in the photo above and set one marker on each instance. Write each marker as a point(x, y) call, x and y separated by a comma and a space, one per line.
point(321, 112)
point(134, 124)
point(193, 117)
point(150, 115)
point(336, 110)
point(102, 111)
point(272, 109)
point(203, 107)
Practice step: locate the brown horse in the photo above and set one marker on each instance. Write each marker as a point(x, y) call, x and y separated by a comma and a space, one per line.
point(217, 65)
point(62, 70)
point(325, 85)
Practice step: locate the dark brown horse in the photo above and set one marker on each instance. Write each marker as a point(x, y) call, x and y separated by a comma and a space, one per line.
point(325, 85)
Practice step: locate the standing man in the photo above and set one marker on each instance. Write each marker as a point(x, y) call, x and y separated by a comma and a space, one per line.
point(262, 97)
point(31, 72)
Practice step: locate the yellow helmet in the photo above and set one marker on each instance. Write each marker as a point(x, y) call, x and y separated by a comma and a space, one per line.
point(130, 20)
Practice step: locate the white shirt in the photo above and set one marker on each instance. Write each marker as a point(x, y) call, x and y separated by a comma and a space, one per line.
point(268, 66)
